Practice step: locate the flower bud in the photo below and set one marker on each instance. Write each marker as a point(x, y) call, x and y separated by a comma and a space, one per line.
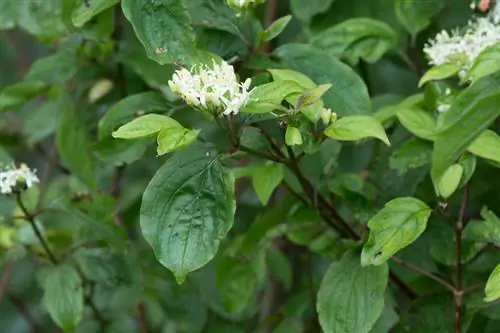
point(325, 115)
point(293, 136)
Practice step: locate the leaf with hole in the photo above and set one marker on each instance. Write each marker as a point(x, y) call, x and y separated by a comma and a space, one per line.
point(187, 209)
point(394, 227)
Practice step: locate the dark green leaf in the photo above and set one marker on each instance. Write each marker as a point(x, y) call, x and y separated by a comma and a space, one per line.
point(19, 93)
point(394, 227)
point(187, 209)
point(349, 95)
point(416, 15)
point(86, 10)
point(164, 29)
point(351, 297)
point(73, 144)
point(412, 154)
point(64, 296)
point(129, 108)
point(357, 38)
point(280, 267)
point(306, 10)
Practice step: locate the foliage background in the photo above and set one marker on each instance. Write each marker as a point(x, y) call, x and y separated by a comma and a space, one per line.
point(268, 271)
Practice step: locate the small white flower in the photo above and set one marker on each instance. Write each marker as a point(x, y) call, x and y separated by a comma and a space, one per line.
point(11, 177)
point(447, 92)
point(243, 3)
point(214, 89)
point(463, 48)
point(443, 107)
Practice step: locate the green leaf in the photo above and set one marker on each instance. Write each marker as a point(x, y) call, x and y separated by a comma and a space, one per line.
point(41, 123)
point(265, 179)
point(492, 290)
point(305, 10)
point(357, 38)
point(43, 19)
point(237, 282)
point(471, 113)
point(486, 63)
point(63, 296)
point(487, 145)
point(418, 122)
point(487, 231)
point(354, 128)
point(145, 126)
point(275, 28)
point(172, 138)
point(415, 16)
point(439, 72)
point(19, 93)
point(129, 108)
point(73, 144)
point(287, 75)
point(56, 68)
point(268, 97)
point(394, 227)
point(119, 152)
point(164, 29)
point(412, 154)
point(450, 180)
point(260, 228)
point(86, 10)
point(9, 12)
point(312, 95)
point(293, 136)
point(280, 267)
point(187, 209)
point(350, 95)
point(351, 297)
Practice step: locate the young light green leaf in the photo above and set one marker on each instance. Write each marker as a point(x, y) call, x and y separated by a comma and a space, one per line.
point(63, 296)
point(164, 29)
point(468, 163)
point(471, 113)
point(285, 75)
point(450, 180)
point(312, 96)
point(487, 231)
point(486, 63)
point(357, 38)
point(439, 72)
point(86, 10)
point(419, 122)
point(187, 209)
point(353, 128)
point(73, 143)
point(265, 179)
point(351, 297)
point(275, 28)
point(350, 96)
point(394, 227)
point(492, 290)
point(305, 10)
point(487, 145)
point(293, 136)
point(172, 138)
point(268, 97)
point(145, 126)
point(129, 108)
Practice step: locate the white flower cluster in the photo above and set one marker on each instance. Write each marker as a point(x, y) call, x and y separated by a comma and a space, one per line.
point(11, 177)
point(243, 3)
point(214, 89)
point(463, 49)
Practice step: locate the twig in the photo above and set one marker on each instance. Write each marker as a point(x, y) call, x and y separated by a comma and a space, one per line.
point(4, 281)
point(271, 12)
point(37, 231)
point(423, 272)
point(142, 318)
point(458, 294)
